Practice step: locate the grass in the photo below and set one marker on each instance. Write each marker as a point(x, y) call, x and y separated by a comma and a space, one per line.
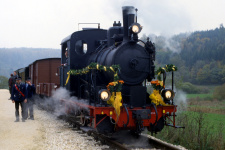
point(202, 131)
point(206, 92)
point(207, 106)
point(211, 119)
point(216, 120)
point(204, 121)
point(209, 95)
point(209, 87)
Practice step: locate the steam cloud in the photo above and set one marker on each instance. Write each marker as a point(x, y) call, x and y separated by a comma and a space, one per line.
point(180, 100)
point(56, 105)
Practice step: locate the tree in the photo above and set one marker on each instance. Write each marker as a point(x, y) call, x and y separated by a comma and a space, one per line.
point(201, 59)
point(219, 92)
point(204, 74)
point(3, 82)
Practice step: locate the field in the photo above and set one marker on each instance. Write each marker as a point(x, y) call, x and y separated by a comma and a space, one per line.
point(207, 96)
point(207, 106)
point(217, 120)
point(204, 121)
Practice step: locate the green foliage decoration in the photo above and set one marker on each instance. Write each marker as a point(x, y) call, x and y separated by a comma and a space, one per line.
point(158, 84)
point(170, 67)
point(95, 66)
point(167, 68)
point(115, 86)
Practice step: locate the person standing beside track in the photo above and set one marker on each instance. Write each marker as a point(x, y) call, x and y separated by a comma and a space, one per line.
point(19, 97)
point(15, 76)
point(30, 100)
point(10, 83)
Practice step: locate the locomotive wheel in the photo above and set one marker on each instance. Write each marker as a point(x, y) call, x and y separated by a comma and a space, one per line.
point(89, 133)
point(96, 137)
point(102, 141)
point(78, 127)
point(83, 120)
point(74, 125)
point(70, 123)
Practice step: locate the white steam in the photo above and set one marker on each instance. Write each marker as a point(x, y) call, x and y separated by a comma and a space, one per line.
point(180, 100)
point(168, 42)
point(61, 103)
point(60, 93)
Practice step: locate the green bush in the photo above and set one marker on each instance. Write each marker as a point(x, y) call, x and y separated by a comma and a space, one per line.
point(219, 93)
point(3, 82)
point(189, 88)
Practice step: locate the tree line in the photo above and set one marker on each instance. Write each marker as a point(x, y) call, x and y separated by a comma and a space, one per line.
point(199, 56)
point(12, 59)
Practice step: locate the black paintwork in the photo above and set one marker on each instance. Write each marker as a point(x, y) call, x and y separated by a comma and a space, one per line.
point(115, 46)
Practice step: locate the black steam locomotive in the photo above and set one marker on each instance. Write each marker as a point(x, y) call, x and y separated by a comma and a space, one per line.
point(108, 69)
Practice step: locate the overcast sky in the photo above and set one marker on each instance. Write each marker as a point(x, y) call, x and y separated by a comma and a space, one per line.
point(44, 23)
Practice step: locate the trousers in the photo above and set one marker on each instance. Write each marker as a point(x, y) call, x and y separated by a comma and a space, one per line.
point(22, 109)
point(30, 107)
point(10, 91)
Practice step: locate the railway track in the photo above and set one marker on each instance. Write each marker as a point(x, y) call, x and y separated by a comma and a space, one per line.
point(123, 140)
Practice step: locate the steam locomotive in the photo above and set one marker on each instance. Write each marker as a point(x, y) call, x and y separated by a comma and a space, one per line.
point(107, 70)
point(119, 45)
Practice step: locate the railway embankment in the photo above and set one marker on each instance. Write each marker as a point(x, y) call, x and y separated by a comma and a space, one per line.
point(45, 132)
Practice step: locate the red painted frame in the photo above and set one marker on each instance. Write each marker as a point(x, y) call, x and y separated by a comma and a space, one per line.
point(165, 111)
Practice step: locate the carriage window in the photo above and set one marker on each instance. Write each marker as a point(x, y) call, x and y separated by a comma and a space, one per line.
point(81, 47)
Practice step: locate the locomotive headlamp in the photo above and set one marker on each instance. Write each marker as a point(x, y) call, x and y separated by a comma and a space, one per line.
point(104, 94)
point(168, 94)
point(135, 28)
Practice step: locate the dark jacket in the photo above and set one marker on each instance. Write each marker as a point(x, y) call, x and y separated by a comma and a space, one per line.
point(14, 79)
point(10, 82)
point(16, 96)
point(30, 90)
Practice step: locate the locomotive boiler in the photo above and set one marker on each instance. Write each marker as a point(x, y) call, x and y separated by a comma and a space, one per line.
point(107, 70)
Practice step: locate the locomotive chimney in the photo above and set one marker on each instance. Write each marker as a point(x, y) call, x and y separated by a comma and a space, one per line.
point(129, 17)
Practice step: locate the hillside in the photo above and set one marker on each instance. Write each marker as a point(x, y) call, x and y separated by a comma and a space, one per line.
point(199, 56)
point(15, 58)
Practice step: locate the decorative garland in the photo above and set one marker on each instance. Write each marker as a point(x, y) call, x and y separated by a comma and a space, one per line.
point(95, 66)
point(115, 86)
point(170, 67)
point(158, 84)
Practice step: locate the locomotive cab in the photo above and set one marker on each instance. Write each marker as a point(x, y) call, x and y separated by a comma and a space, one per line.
point(80, 45)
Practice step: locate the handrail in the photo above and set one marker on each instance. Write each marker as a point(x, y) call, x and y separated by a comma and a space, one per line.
point(124, 105)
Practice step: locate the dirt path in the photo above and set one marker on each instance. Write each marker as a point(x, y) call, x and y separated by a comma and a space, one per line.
point(20, 135)
point(45, 132)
